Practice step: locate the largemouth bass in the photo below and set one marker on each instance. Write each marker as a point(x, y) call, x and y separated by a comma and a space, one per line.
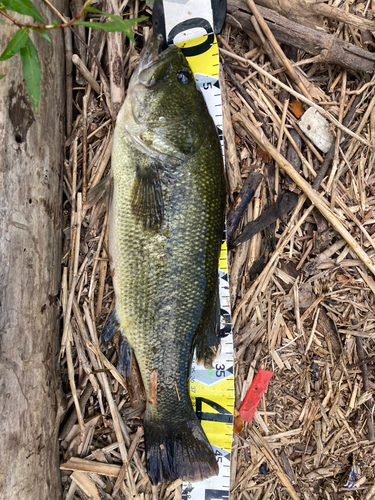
point(165, 229)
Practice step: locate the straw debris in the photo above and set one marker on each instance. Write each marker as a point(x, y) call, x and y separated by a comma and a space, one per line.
point(302, 289)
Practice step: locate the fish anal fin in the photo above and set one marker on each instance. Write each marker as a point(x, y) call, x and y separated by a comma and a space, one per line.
point(127, 364)
point(208, 342)
point(128, 368)
point(147, 197)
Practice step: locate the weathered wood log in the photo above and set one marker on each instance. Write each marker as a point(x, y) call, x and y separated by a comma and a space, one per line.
point(294, 10)
point(331, 49)
point(31, 159)
point(311, 13)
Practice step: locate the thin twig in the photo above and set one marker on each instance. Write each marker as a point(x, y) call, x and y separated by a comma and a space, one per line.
point(84, 142)
point(366, 386)
point(77, 61)
point(39, 26)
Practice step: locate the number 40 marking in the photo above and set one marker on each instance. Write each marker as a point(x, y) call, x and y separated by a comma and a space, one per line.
point(223, 414)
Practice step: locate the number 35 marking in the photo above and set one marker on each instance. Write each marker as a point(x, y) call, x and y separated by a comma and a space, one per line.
point(220, 370)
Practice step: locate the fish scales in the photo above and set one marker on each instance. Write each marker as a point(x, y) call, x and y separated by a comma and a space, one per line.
point(165, 229)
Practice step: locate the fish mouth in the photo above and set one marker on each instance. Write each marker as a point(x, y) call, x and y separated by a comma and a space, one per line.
point(151, 52)
point(155, 63)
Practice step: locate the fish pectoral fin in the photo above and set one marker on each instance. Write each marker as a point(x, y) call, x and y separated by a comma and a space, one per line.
point(102, 191)
point(147, 197)
point(208, 342)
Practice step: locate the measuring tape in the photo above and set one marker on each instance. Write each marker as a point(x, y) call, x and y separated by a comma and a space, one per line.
point(192, 26)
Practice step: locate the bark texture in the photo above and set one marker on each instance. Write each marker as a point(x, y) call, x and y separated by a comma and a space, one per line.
point(299, 11)
point(31, 158)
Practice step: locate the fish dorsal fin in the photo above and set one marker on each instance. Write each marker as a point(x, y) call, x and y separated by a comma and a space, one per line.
point(102, 191)
point(147, 197)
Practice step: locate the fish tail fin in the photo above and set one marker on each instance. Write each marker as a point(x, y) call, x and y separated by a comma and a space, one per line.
point(177, 448)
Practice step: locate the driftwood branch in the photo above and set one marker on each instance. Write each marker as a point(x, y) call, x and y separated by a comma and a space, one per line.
point(330, 49)
point(295, 10)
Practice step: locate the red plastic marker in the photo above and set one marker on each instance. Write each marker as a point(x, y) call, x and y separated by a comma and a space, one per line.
point(254, 394)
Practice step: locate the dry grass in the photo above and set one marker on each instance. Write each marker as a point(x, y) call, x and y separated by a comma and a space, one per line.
point(306, 313)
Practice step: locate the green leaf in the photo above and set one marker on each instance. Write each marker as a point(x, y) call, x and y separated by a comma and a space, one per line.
point(122, 25)
point(96, 11)
point(114, 17)
point(18, 41)
point(24, 7)
point(31, 72)
point(43, 34)
point(2, 76)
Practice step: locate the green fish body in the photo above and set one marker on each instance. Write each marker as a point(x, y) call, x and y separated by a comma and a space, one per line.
point(165, 228)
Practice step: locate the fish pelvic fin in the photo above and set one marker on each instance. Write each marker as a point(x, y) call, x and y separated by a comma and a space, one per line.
point(177, 448)
point(112, 326)
point(127, 364)
point(125, 359)
point(147, 197)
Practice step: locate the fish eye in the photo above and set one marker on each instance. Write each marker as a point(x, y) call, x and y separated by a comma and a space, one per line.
point(183, 76)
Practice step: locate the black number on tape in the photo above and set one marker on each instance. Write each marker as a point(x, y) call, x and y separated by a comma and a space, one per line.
point(216, 495)
point(223, 414)
point(219, 456)
point(220, 370)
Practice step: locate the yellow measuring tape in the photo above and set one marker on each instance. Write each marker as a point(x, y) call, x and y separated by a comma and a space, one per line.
point(206, 63)
point(212, 389)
